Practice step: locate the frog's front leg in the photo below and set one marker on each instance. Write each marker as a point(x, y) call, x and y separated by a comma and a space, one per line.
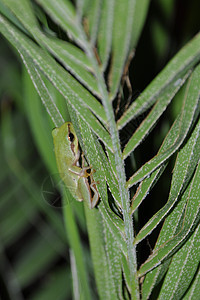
point(92, 171)
point(81, 172)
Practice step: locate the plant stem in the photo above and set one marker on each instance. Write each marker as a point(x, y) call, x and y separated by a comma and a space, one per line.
point(124, 194)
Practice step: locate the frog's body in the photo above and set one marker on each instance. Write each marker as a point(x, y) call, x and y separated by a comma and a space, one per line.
point(76, 178)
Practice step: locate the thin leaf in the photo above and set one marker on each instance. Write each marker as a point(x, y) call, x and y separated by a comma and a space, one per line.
point(153, 278)
point(121, 38)
point(40, 126)
point(111, 177)
point(182, 174)
point(182, 269)
point(149, 122)
point(63, 12)
point(70, 56)
point(96, 238)
point(93, 15)
point(105, 32)
point(172, 225)
point(191, 220)
point(43, 92)
point(60, 78)
point(79, 9)
point(139, 17)
point(169, 76)
point(190, 111)
point(114, 263)
point(10, 16)
point(145, 187)
point(126, 272)
point(193, 292)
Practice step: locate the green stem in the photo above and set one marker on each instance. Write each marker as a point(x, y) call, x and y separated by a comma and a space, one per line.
point(124, 194)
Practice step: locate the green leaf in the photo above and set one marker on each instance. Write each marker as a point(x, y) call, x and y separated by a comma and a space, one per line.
point(40, 126)
point(114, 263)
point(139, 17)
point(153, 278)
point(182, 174)
point(193, 292)
point(93, 14)
point(182, 269)
point(101, 269)
point(171, 75)
point(172, 225)
point(60, 78)
point(70, 56)
point(126, 271)
point(149, 122)
point(8, 14)
point(43, 92)
point(145, 187)
point(190, 221)
point(105, 32)
point(63, 13)
point(190, 111)
point(121, 38)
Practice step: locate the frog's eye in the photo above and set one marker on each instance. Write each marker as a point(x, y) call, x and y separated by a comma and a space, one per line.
point(71, 137)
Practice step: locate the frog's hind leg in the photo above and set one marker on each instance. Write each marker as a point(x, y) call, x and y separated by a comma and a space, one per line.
point(95, 198)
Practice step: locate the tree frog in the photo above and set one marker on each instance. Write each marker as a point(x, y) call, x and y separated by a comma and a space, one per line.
point(79, 180)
